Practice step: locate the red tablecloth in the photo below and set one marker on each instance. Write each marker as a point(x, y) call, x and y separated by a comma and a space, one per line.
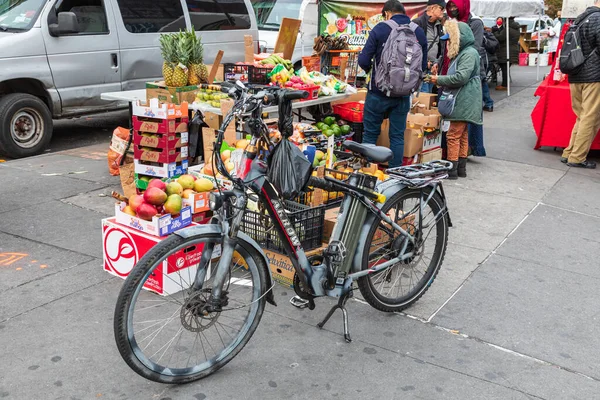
point(553, 117)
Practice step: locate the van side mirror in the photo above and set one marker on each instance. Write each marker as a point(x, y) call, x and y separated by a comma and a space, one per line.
point(67, 24)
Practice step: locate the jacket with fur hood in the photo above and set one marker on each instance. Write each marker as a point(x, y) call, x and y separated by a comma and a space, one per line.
point(462, 51)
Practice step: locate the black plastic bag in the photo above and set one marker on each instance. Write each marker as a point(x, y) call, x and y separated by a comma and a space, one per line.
point(194, 128)
point(289, 169)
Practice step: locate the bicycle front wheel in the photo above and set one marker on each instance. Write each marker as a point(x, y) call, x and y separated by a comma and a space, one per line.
point(171, 338)
point(402, 284)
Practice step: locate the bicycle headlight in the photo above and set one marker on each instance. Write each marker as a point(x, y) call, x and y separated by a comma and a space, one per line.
point(215, 201)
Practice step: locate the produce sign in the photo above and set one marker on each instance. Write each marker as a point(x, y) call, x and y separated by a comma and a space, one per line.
point(355, 20)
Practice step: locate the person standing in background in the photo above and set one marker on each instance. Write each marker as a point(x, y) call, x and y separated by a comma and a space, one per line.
point(377, 104)
point(554, 34)
point(514, 34)
point(431, 23)
point(464, 73)
point(460, 10)
point(585, 91)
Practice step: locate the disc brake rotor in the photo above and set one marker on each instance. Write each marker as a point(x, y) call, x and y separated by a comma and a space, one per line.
point(194, 316)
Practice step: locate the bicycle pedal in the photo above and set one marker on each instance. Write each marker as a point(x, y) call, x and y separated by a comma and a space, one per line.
point(299, 302)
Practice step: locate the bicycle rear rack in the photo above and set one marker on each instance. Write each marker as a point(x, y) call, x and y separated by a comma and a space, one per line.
point(420, 175)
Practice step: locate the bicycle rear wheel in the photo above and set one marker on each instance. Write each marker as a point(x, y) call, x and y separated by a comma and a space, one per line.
point(402, 284)
point(170, 339)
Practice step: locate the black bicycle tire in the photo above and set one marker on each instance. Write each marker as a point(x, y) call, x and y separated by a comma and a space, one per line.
point(364, 283)
point(134, 280)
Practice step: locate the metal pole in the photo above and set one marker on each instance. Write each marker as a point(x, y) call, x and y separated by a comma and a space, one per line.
point(537, 78)
point(507, 53)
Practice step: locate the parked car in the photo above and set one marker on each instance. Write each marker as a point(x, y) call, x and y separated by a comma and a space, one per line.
point(270, 13)
point(58, 56)
point(536, 24)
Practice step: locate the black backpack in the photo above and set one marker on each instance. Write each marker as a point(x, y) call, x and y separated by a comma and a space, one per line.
point(571, 56)
point(490, 43)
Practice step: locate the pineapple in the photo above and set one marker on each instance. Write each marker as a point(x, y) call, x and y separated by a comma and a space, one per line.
point(197, 68)
point(180, 72)
point(167, 49)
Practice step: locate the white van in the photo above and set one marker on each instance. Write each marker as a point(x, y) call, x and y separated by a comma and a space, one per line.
point(270, 13)
point(58, 56)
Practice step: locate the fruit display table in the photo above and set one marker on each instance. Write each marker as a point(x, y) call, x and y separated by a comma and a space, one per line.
point(132, 96)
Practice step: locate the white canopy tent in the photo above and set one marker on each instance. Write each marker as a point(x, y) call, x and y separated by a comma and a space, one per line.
point(506, 9)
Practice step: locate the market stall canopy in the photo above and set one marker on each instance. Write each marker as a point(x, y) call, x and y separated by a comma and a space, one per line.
point(507, 8)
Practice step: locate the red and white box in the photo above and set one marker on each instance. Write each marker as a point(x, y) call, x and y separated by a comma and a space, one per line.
point(123, 247)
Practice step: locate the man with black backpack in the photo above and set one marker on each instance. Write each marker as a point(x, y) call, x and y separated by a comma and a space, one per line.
point(396, 67)
point(580, 60)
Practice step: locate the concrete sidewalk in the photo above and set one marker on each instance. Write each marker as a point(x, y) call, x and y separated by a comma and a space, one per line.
point(512, 314)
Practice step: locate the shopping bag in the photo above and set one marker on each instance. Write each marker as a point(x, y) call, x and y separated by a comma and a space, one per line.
point(289, 170)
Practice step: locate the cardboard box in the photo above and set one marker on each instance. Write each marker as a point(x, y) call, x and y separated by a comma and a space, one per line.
point(123, 247)
point(162, 170)
point(170, 94)
point(282, 268)
point(432, 155)
point(208, 140)
point(432, 141)
point(427, 119)
point(195, 171)
point(413, 140)
point(162, 126)
point(361, 95)
point(116, 238)
point(249, 48)
point(427, 100)
point(161, 225)
point(384, 136)
point(331, 217)
point(198, 202)
point(161, 141)
point(166, 155)
point(160, 111)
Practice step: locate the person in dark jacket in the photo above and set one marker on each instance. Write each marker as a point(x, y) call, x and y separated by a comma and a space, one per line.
point(585, 91)
point(514, 34)
point(377, 104)
point(431, 23)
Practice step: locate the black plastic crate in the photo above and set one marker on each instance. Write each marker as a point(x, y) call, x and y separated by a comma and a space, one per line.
point(245, 73)
point(307, 221)
point(358, 129)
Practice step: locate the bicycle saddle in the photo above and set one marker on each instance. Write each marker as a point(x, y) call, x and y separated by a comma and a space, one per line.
point(377, 154)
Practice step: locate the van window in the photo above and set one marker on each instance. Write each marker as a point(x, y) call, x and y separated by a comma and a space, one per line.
point(91, 15)
point(269, 13)
point(218, 15)
point(149, 16)
point(18, 16)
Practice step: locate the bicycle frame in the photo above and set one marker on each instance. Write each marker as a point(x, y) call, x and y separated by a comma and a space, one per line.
point(252, 175)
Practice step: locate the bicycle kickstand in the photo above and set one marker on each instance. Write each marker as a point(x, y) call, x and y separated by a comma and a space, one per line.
point(342, 306)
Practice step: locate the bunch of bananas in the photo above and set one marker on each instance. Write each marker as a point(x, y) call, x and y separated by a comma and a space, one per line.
point(275, 60)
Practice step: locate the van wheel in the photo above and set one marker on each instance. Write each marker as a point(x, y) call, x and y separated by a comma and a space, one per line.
point(25, 125)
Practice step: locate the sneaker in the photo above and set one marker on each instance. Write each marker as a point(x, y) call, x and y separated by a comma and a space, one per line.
point(564, 160)
point(585, 164)
point(502, 88)
point(488, 109)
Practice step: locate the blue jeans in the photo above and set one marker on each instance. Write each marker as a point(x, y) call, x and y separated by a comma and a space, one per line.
point(476, 140)
point(377, 108)
point(487, 99)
